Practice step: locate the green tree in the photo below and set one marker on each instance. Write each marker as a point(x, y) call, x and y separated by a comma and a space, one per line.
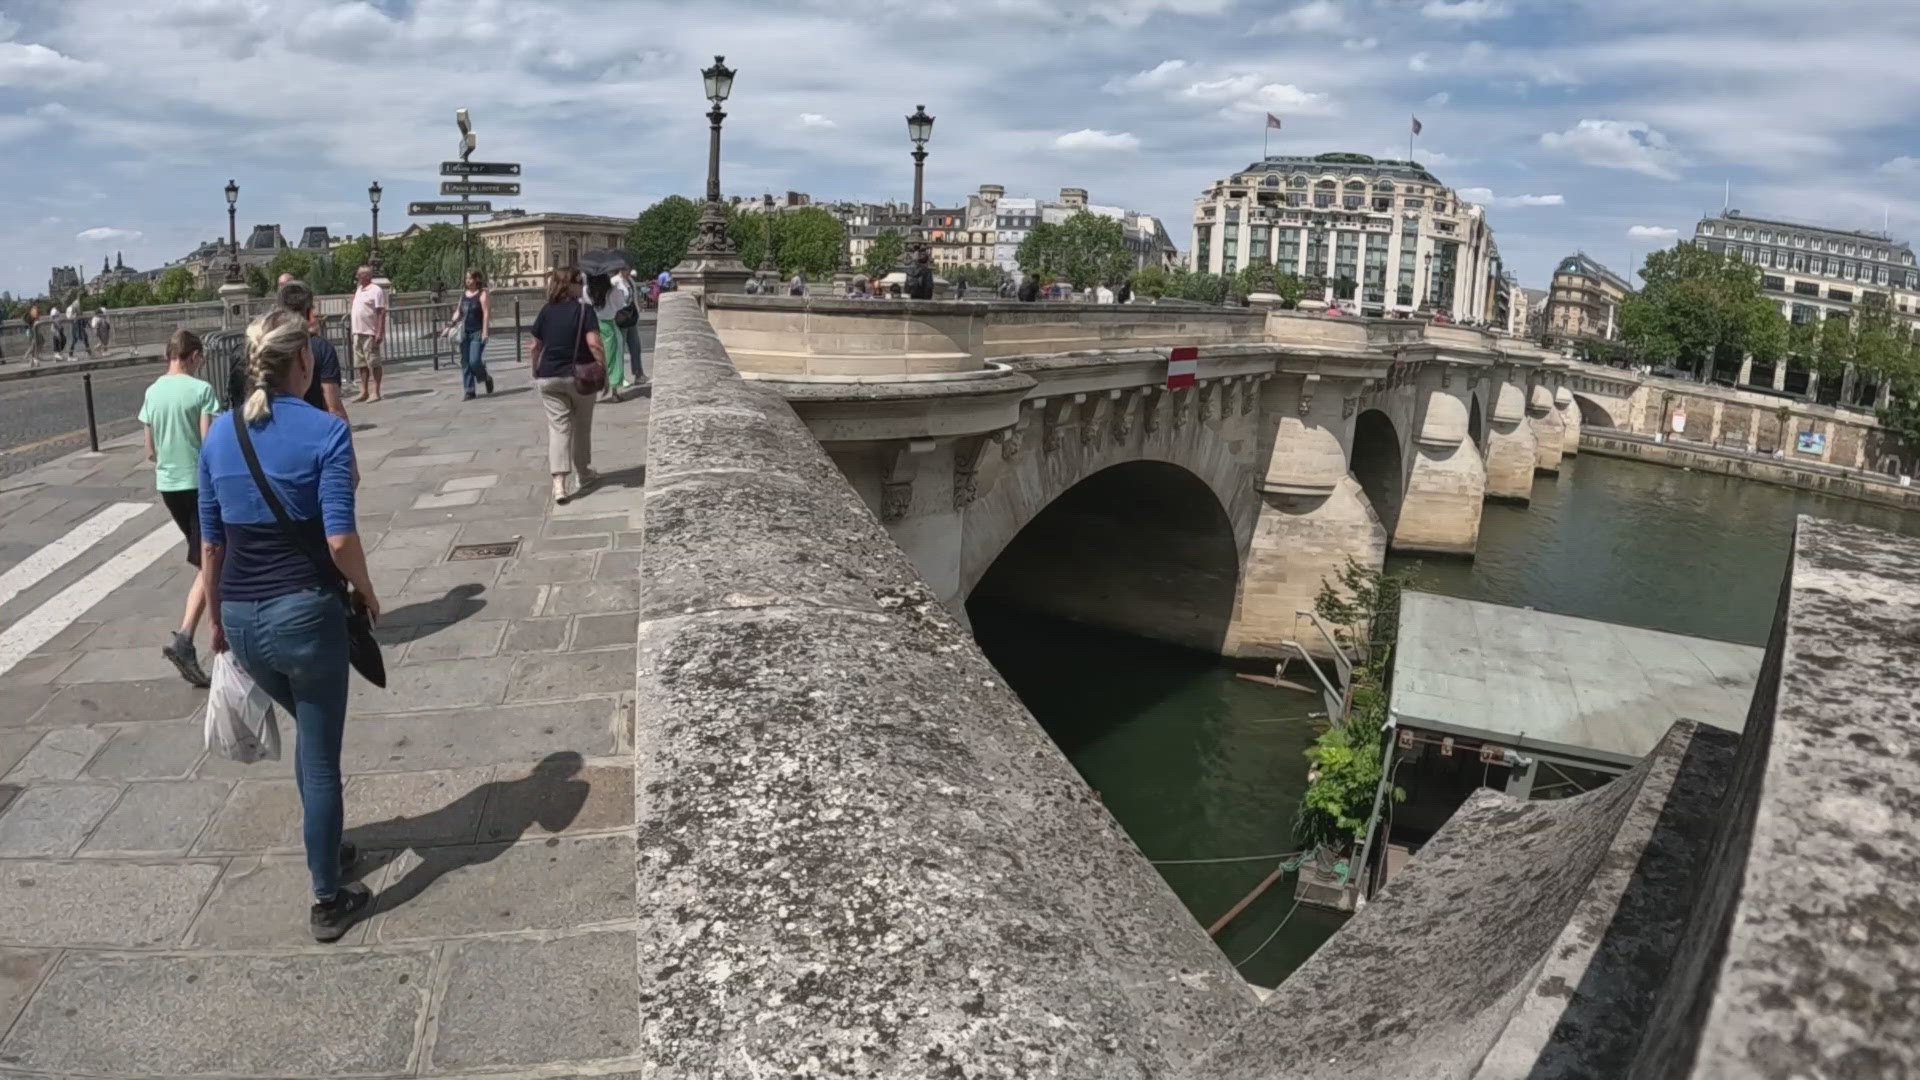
point(884, 254)
point(1040, 251)
point(1881, 349)
point(1699, 308)
point(1085, 250)
point(1803, 345)
point(1836, 347)
point(659, 237)
point(258, 283)
point(1151, 281)
point(809, 240)
point(297, 263)
point(175, 286)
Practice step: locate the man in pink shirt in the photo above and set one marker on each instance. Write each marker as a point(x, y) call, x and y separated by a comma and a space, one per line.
point(369, 324)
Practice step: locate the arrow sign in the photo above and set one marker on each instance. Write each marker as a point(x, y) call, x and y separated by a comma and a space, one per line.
point(449, 208)
point(477, 187)
point(479, 168)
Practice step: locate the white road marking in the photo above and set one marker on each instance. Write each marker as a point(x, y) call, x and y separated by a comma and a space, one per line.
point(42, 623)
point(29, 571)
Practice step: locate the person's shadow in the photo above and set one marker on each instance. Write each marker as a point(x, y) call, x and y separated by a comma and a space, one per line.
point(411, 622)
point(550, 796)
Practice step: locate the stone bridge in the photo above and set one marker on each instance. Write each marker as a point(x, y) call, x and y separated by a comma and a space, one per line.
point(860, 856)
point(1033, 454)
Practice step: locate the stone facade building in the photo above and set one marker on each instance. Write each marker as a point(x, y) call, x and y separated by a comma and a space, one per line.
point(1584, 301)
point(1385, 236)
point(532, 244)
point(1813, 272)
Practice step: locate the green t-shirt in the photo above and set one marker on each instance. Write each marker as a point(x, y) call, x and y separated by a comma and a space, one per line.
point(173, 408)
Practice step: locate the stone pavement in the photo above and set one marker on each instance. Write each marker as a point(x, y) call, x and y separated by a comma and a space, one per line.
point(153, 897)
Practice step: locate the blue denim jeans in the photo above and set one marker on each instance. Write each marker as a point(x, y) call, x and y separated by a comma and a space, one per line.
point(473, 361)
point(295, 647)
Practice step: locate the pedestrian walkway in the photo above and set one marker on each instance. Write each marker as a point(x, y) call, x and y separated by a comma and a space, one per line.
point(153, 898)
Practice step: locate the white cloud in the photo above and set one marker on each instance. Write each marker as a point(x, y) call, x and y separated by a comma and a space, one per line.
point(1617, 144)
point(1312, 17)
point(1247, 93)
point(1486, 197)
point(31, 66)
point(1903, 165)
point(1165, 73)
point(1464, 10)
point(1419, 63)
point(1439, 100)
point(1652, 232)
point(1365, 44)
point(814, 120)
point(104, 232)
point(1087, 139)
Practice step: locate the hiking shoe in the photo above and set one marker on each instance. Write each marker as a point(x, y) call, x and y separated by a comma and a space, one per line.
point(332, 919)
point(182, 655)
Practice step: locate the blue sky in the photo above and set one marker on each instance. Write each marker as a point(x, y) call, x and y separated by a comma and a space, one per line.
point(1606, 125)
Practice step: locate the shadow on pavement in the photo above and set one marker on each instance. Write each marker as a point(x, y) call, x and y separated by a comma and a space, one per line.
point(411, 622)
point(633, 476)
point(551, 796)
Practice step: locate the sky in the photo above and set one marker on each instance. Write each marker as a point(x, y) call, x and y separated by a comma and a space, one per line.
point(1609, 126)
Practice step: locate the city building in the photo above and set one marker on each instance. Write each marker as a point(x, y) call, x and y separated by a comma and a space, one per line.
point(1534, 323)
point(62, 282)
point(1813, 272)
point(1584, 301)
point(1380, 234)
point(532, 244)
point(1013, 219)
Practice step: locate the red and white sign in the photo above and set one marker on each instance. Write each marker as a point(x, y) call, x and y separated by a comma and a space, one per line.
point(1183, 367)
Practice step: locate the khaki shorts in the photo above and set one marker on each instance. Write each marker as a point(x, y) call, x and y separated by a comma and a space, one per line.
point(366, 351)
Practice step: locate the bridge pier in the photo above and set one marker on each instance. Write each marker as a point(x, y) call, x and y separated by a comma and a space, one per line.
point(1549, 435)
point(1564, 404)
point(1447, 483)
point(1511, 450)
point(1313, 515)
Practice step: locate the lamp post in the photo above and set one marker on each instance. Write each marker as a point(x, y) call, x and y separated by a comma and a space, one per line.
point(1426, 282)
point(373, 243)
point(711, 264)
point(919, 129)
point(233, 236)
point(768, 269)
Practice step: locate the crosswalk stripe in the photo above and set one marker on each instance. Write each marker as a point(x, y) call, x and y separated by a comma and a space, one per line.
point(39, 626)
point(29, 571)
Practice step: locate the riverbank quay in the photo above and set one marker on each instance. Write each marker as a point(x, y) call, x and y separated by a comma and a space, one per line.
point(1877, 488)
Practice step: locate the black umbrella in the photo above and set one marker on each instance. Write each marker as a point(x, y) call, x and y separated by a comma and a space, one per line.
point(604, 261)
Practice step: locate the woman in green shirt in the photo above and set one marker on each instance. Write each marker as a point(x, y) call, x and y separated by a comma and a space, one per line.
point(177, 410)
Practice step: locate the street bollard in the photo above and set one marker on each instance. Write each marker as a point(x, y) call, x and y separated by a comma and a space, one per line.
point(516, 333)
point(93, 430)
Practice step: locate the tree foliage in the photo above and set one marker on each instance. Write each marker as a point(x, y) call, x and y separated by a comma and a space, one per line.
point(1700, 307)
point(174, 287)
point(1085, 250)
point(258, 283)
point(659, 237)
point(980, 276)
point(884, 254)
point(1151, 282)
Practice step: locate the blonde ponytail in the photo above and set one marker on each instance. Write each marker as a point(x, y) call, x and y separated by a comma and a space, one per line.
point(274, 341)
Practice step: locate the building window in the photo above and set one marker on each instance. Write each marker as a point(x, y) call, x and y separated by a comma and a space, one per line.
point(1880, 275)
point(1296, 181)
point(1770, 281)
point(1271, 181)
point(1845, 296)
point(1807, 288)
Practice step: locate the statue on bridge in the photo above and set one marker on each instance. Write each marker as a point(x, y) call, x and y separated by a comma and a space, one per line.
point(920, 276)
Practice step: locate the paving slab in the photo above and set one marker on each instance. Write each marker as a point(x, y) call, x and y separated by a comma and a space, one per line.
point(439, 684)
point(441, 577)
point(549, 884)
point(40, 670)
point(261, 902)
point(230, 1015)
point(536, 635)
point(593, 542)
point(20, 702)
point(560, 525)
point(442, 500)
point(548, 569)
point(20, 971)
point(150, 631)
point(53, 819)
point(59, 755)
point(593, 597)
point(471, 483)
point(416, 808)
point(118, 702)
point(259, 815)
point(540, 676)
point(162, 817)
point(601, 631)
point(129, 904)
point(506, 523)
point(160, 751)
point(118, 665)
point(517, 1002)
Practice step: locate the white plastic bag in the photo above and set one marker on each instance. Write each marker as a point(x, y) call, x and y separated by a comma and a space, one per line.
point(240, 721)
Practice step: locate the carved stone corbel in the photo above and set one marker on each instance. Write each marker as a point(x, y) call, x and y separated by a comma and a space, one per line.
point(1178, 403)
point(1122, 415)
point(1053, 417)
point(896, 486)
point(1151, 398)
point(1250, 392)
point(1446, 376)
point(1009, 437)
point(966, 468)
point(1348, 406)
point(1206, 399)
point(1308, 384)
point(1093, 418)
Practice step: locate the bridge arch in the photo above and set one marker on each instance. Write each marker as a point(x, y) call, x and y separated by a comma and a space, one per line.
point(1379, 465)
point(1476, 425)
point(1592, 413)
point(1145, 547)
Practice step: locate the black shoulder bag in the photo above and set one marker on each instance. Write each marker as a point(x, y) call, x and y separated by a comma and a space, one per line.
point(363, 651)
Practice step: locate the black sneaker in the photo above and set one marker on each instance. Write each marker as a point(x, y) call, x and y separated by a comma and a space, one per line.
point(468, 396)
point(185, 659)
point(331, 920)
point(489, 386)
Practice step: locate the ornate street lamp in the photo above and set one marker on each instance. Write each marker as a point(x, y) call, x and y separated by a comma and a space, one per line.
point(711, 264)
point(373, 252)
point(233, 237)
point(919, 129)
point(768, 269)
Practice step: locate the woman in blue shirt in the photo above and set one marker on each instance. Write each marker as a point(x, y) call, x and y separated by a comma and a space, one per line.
point(284, 619)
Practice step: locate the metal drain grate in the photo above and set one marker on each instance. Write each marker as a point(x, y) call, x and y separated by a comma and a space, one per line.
point(467, 552)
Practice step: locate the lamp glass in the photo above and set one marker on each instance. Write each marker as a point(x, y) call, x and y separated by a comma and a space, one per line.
point(919, 126)
point(719, 80)
point(373, 192)
point(233, 193)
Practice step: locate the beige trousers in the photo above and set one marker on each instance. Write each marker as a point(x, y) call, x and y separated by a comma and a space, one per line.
point(569, 425)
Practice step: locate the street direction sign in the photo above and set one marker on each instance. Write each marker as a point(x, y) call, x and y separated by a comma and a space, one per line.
point(478, 187)
point(479, 168)
point(478, 207)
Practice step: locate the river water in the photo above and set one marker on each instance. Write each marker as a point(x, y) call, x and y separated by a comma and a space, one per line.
point(1198, 764)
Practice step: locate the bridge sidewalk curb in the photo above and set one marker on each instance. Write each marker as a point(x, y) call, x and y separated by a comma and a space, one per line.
point(9, 373)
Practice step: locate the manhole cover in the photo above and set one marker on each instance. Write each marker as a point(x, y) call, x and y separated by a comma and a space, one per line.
point(502, 550)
